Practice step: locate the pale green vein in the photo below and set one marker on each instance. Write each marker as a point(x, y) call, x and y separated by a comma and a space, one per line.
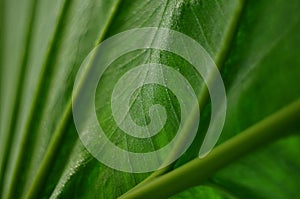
point(47, 67)
point(58, 134)
point(67, 113)
point(199, 170)
point(220, 60)
point(19, 92)
point(2, 133)
point(109, 21)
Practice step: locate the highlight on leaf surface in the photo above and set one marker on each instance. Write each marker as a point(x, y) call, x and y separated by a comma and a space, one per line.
point(254, 44)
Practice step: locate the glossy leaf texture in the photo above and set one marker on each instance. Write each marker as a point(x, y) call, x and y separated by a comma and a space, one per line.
point(254, 43)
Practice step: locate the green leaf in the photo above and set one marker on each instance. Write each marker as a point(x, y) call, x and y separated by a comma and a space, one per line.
point(116, 182)
point(53, 55)
point(262, 75)
point(254, 43)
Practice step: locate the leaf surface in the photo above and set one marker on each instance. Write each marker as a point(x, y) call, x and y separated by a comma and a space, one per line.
point(253, 43)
